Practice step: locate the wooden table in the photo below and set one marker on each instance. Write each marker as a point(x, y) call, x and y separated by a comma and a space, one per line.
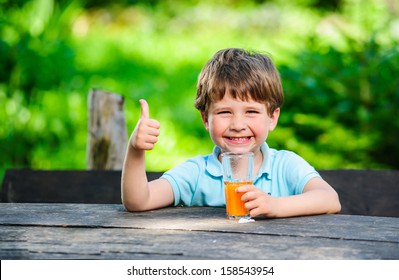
point(108, 231)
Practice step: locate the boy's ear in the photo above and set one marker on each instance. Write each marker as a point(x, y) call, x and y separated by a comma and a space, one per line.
point(204, 117)
point(274, 119)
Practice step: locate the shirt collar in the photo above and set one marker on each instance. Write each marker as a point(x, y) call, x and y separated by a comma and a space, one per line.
point(266, 163)
point(214, 167)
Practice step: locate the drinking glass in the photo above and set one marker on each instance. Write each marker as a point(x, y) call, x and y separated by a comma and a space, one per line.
point(238, 169)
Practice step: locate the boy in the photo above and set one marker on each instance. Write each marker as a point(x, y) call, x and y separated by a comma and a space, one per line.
point(239, 95)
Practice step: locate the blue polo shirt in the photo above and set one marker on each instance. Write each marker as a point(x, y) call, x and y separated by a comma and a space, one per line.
point(199, 180)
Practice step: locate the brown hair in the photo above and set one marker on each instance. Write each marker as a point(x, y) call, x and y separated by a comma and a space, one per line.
point(243, 74)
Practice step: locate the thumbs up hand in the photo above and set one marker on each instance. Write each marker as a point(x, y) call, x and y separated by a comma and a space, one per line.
point(145, 110)
point(146, 132)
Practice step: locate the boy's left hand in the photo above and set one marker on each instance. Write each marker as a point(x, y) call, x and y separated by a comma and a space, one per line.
point(257, 201)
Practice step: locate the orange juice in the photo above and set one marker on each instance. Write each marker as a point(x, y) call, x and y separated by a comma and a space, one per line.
point(234, 205)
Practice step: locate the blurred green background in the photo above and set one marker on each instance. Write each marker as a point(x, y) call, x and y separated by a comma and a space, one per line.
point(339, 63)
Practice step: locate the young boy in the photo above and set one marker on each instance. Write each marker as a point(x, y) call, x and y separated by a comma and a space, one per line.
point(239, 95)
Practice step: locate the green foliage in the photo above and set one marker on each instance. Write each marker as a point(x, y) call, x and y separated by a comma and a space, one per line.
point(339, 65)
point(357, 91)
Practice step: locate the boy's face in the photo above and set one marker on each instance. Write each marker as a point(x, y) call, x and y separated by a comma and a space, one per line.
point(239, 126)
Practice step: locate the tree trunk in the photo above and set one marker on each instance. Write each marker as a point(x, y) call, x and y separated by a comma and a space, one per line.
point(107, 134)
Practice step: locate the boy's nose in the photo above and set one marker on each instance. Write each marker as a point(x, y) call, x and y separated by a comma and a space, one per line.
point(237, 123)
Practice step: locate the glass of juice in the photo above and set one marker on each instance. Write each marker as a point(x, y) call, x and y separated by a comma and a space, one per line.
point(238, 169)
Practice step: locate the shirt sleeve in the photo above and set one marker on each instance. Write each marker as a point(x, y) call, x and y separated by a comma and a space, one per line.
point(184, 180)
point(298, 172)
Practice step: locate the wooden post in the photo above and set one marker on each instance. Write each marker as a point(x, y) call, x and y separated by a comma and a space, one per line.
point(107, 133)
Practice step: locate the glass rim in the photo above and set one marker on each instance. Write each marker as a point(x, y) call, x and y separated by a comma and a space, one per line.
point(237, 154)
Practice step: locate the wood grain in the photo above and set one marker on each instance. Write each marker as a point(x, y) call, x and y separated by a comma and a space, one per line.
point(102, 231)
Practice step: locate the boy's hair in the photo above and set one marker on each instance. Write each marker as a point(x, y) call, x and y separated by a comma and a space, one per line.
point(243, 74)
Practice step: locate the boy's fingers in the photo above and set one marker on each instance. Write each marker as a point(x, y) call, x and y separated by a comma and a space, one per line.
point(244, 188)
point(145, 111)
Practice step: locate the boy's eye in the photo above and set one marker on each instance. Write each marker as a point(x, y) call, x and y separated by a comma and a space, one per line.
point(252, 112)
point(223, 112)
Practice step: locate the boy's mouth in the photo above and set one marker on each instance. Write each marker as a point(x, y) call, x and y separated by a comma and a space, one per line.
point(239, 139)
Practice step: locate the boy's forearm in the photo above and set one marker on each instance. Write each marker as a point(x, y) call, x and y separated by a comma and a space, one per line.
point(134, 181)
point(309, 203)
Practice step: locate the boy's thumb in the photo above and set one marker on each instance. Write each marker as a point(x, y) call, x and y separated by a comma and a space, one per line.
point(145, 111)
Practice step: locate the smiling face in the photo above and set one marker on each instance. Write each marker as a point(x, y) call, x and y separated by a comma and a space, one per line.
point(239, 126)
point(239, 95)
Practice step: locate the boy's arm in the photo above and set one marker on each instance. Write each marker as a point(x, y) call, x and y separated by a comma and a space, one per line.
point(137, 193)
point(318, 197)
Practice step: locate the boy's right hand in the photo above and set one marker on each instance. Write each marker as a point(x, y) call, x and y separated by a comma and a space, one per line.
point(146, 132)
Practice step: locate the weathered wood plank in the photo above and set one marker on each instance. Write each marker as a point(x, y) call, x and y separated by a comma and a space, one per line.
point(125, 243)
point(107, 133)
point(64, 186)
point(366, 192)
point(199, 219)
point(27, 185)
